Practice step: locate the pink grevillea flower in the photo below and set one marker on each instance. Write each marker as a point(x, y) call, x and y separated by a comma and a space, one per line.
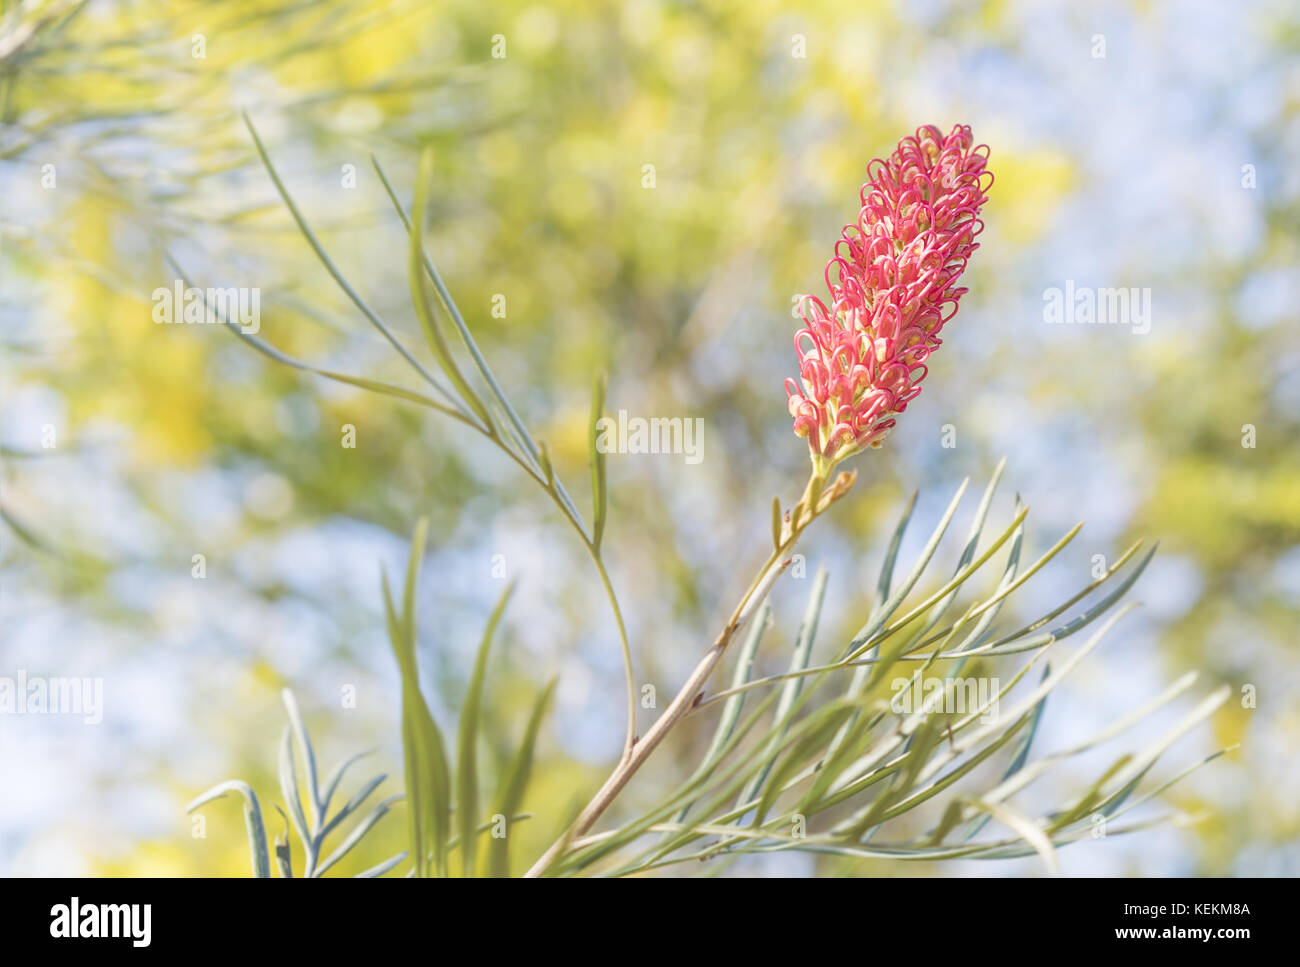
point(893, 287)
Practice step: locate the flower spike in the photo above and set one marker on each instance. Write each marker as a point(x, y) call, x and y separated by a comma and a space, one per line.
point(893, 286)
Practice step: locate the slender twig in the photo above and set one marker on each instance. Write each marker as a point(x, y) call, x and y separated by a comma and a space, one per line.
point(814, 502)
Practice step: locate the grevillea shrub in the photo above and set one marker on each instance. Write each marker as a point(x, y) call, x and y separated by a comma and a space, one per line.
point(857, 752)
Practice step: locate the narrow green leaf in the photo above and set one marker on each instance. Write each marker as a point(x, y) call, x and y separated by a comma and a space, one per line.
point(793, 686)
point(832, 766)
point(382, 868)
point(528, 447)
point(1113, 811)
point(352, 805)
point(1144, 760)
point(1006, 590)
point(289, 787)
point(467, 736)
point(795, 760)
point(1026, 827)
point(972, 542)
point(336, 776)
point(252, 821)
point(423, 301)
point(418, 543)
point(1090, 797)
point(428, 783)
point(893, 598)
point(308, 755)
point(361, 382)
point(514, 784)
point(1102, 606)
point(1074, 599)
point(891, 555)
point(967, 764)
point(917, 754)
point(888, 601)
point(430, 749)
point(418, 794)
point(357, 834)
point(1018, 759)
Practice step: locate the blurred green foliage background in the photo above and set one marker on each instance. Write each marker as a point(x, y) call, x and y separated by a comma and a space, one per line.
point(1168, 163)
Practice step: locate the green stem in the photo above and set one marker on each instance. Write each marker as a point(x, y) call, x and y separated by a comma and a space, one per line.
point(593, 551)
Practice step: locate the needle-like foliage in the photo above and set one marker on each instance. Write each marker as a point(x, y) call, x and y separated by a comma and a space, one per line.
point(314, 824)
